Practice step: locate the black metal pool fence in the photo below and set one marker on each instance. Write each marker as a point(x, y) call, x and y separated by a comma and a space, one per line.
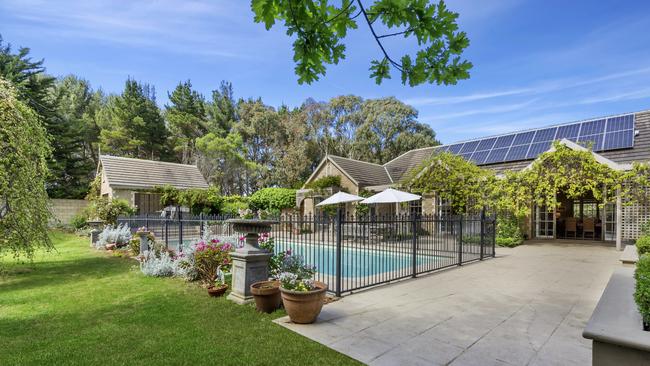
point(351, 252)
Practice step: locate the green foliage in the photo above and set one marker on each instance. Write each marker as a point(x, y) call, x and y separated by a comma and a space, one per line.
point(207, 201)
point(24, 150)
point(79, 221)
point(643, 244)
point(133, 125)
point(573, 172)
point(642, 286)
point(388, 129)
point(187, 120)
point(509, 232)
point(210, 259)
point(108, 210)
point(319, 27)
point(452, 179)
point(61, 106)
point(327, 181)
point(273, 199)
point(233, 204)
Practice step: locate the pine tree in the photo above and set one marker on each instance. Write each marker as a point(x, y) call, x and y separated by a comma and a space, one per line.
point(133, 124)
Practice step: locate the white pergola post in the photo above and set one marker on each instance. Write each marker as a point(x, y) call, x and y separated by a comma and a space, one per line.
point(619, 220)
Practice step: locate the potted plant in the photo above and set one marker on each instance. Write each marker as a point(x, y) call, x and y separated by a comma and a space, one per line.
point(267, 293)
point(219, 287)
point(211, 260)
point(642, 289)
point(302, 296)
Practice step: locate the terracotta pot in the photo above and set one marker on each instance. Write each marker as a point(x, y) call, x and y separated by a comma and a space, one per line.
point(304, 307)
point(217, 291)
point(267, 296)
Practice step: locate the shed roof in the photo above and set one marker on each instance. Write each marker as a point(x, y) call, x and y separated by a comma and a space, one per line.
point(145, 174)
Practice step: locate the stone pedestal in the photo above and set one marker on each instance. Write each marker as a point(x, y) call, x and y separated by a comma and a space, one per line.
point(144, 241)
point(94, 236)
point(247, 268)
point(250, 263)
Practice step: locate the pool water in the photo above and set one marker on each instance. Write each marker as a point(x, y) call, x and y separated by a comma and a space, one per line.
point(355, 262)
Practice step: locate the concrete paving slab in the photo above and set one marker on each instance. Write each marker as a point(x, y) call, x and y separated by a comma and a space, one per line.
point(528, 306)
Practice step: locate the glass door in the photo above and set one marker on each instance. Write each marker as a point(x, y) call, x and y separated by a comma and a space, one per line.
point(609, 222)
point(544, 223)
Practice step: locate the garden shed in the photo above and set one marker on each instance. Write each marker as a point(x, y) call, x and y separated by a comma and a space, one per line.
point(135, 179)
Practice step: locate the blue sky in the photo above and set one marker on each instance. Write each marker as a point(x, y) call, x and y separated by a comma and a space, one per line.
point(535, 62)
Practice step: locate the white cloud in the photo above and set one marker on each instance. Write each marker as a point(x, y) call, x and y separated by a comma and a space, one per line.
point(188, 27)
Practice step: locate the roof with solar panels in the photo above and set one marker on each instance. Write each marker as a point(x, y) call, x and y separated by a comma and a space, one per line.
point(622, 139)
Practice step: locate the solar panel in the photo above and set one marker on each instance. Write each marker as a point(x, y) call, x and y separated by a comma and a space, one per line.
point(455, 149)
point(469, 147)
point(524, 138)
point(618, 140)
point(545, 135)
point(538, 148)
point(479, 156)
point(593, 141)
point(592, 127)
point(504, 141)
point(620, 123)
point(517, 153)
point(603, 134)
point(569, 132)
point(486, 144)
point(496, 156)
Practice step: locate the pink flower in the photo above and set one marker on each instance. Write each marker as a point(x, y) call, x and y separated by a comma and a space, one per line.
point(214, 240)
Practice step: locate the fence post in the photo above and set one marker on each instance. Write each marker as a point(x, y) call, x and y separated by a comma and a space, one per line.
point(494, 234)
point(180, 230)
point(201, 225)
point(338, 251)
point(146, 220)
point(482, 233)
point(460, 240)
point(166, 231)
point(414, 232)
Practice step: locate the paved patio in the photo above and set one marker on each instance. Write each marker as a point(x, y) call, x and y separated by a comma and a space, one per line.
point(526, 307)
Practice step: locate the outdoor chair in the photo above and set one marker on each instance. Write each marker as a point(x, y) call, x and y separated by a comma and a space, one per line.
point(570, 226)
point(589, 227)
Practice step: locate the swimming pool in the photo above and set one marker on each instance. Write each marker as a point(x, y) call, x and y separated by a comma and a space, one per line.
point(355, 262)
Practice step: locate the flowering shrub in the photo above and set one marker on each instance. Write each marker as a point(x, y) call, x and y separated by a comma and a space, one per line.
point(295, 274)
point(210, 258)
point(120, 236)
point(275, 262)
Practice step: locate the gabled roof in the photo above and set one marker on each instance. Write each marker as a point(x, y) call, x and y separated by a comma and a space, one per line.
point(362, 172)
point(402, 164)
point(146, 174)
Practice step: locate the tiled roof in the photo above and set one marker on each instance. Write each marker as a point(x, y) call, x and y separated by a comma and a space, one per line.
point(364, 173)
point(144, 174)
point(368, 174)
point(401, 165)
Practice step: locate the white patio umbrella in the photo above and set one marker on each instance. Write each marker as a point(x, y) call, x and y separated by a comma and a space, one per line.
point(340, 197)
point(391, 195)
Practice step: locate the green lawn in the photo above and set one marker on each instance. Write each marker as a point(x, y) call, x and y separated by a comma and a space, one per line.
point(79, 306)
